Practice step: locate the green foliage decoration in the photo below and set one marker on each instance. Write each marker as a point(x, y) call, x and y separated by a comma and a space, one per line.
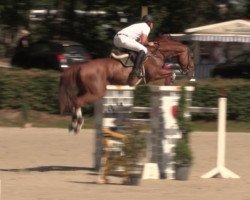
point(135, 144)
point(183, 153)
point(182, 121)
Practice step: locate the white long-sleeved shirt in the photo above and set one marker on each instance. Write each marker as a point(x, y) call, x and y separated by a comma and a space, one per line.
point(136, 30)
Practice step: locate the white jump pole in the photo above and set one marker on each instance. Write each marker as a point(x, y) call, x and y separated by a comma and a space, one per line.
point(221, 170)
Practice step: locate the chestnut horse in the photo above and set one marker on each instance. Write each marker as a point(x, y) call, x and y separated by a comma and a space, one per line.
point(85, 83)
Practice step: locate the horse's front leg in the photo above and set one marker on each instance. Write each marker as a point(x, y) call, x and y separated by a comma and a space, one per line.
point(76, 121)
point(190, 75)
point(169, 76)
point(169, 80)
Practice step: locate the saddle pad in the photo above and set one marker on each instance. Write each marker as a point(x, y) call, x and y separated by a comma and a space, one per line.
point(124, 58)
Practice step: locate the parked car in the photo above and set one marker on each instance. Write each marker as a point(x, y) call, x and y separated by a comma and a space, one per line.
point(50, 54)
point(238, 67)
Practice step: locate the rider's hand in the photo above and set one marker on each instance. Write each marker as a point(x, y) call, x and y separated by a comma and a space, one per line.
point(151, 44)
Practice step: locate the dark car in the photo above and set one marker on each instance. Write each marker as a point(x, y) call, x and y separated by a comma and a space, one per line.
point(238, 67)
point(50, 54)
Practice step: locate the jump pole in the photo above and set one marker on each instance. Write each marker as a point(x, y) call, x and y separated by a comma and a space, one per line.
point(220, 169)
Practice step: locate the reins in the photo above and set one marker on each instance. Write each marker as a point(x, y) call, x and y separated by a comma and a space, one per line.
point(156, 48)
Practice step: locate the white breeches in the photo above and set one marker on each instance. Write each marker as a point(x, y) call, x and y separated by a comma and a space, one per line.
point(123, 41)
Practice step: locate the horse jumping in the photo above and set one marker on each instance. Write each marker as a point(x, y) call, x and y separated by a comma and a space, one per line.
point(85, 83)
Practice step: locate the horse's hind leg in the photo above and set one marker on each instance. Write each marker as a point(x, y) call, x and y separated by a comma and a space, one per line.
point(88, 97)
point(80, 120)
point(73, 124)
point(77, 120)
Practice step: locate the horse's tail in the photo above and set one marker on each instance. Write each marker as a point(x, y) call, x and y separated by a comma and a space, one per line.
point(68, 89)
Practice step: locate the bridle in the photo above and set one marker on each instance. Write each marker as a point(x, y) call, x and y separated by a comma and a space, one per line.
point(157, 52)
point(156, 49)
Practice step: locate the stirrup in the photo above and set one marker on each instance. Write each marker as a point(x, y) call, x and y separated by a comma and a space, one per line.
point(138, 73)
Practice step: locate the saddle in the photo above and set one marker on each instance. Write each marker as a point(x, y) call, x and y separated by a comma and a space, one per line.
point(125, 56)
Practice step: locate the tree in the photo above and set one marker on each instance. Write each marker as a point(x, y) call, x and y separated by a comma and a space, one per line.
point(96, 32)
point(173, 17)
point(237, 9)
point(13, 13)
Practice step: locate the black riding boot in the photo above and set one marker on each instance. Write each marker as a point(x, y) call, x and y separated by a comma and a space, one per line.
point(138, 63)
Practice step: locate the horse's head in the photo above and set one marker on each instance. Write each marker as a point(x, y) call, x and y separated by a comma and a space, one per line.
point(167, 47)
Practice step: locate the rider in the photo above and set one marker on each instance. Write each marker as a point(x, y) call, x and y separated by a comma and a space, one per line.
point(135, 38)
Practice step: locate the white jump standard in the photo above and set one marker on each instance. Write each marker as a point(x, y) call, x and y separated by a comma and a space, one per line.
point(220, 169)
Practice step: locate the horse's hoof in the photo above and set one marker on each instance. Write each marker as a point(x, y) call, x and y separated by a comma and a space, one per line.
point(73, 130)
point(73, 126)
point(79, 125)
point(70, 128)
point(77, 130)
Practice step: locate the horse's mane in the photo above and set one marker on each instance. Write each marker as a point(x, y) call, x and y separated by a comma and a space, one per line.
point(165, 37)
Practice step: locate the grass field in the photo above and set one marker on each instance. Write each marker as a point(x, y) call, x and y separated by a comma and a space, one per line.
point(15, 118)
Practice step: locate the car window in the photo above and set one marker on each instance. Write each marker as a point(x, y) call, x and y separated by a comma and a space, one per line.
point(40, 47)
point(56, 47)
point(74, 49)
point(240, 59)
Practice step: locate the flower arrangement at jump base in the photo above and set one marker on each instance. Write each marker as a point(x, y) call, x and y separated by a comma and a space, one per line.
point(123, 151)
point(134, 151)
point(183, 154)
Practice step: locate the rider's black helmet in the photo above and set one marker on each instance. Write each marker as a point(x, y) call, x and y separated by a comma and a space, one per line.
point(147, 19)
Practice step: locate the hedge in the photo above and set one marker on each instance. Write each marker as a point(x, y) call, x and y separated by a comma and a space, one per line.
point(206, 94)
point(38, 90)
point(29, 89)
point(237, 91)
